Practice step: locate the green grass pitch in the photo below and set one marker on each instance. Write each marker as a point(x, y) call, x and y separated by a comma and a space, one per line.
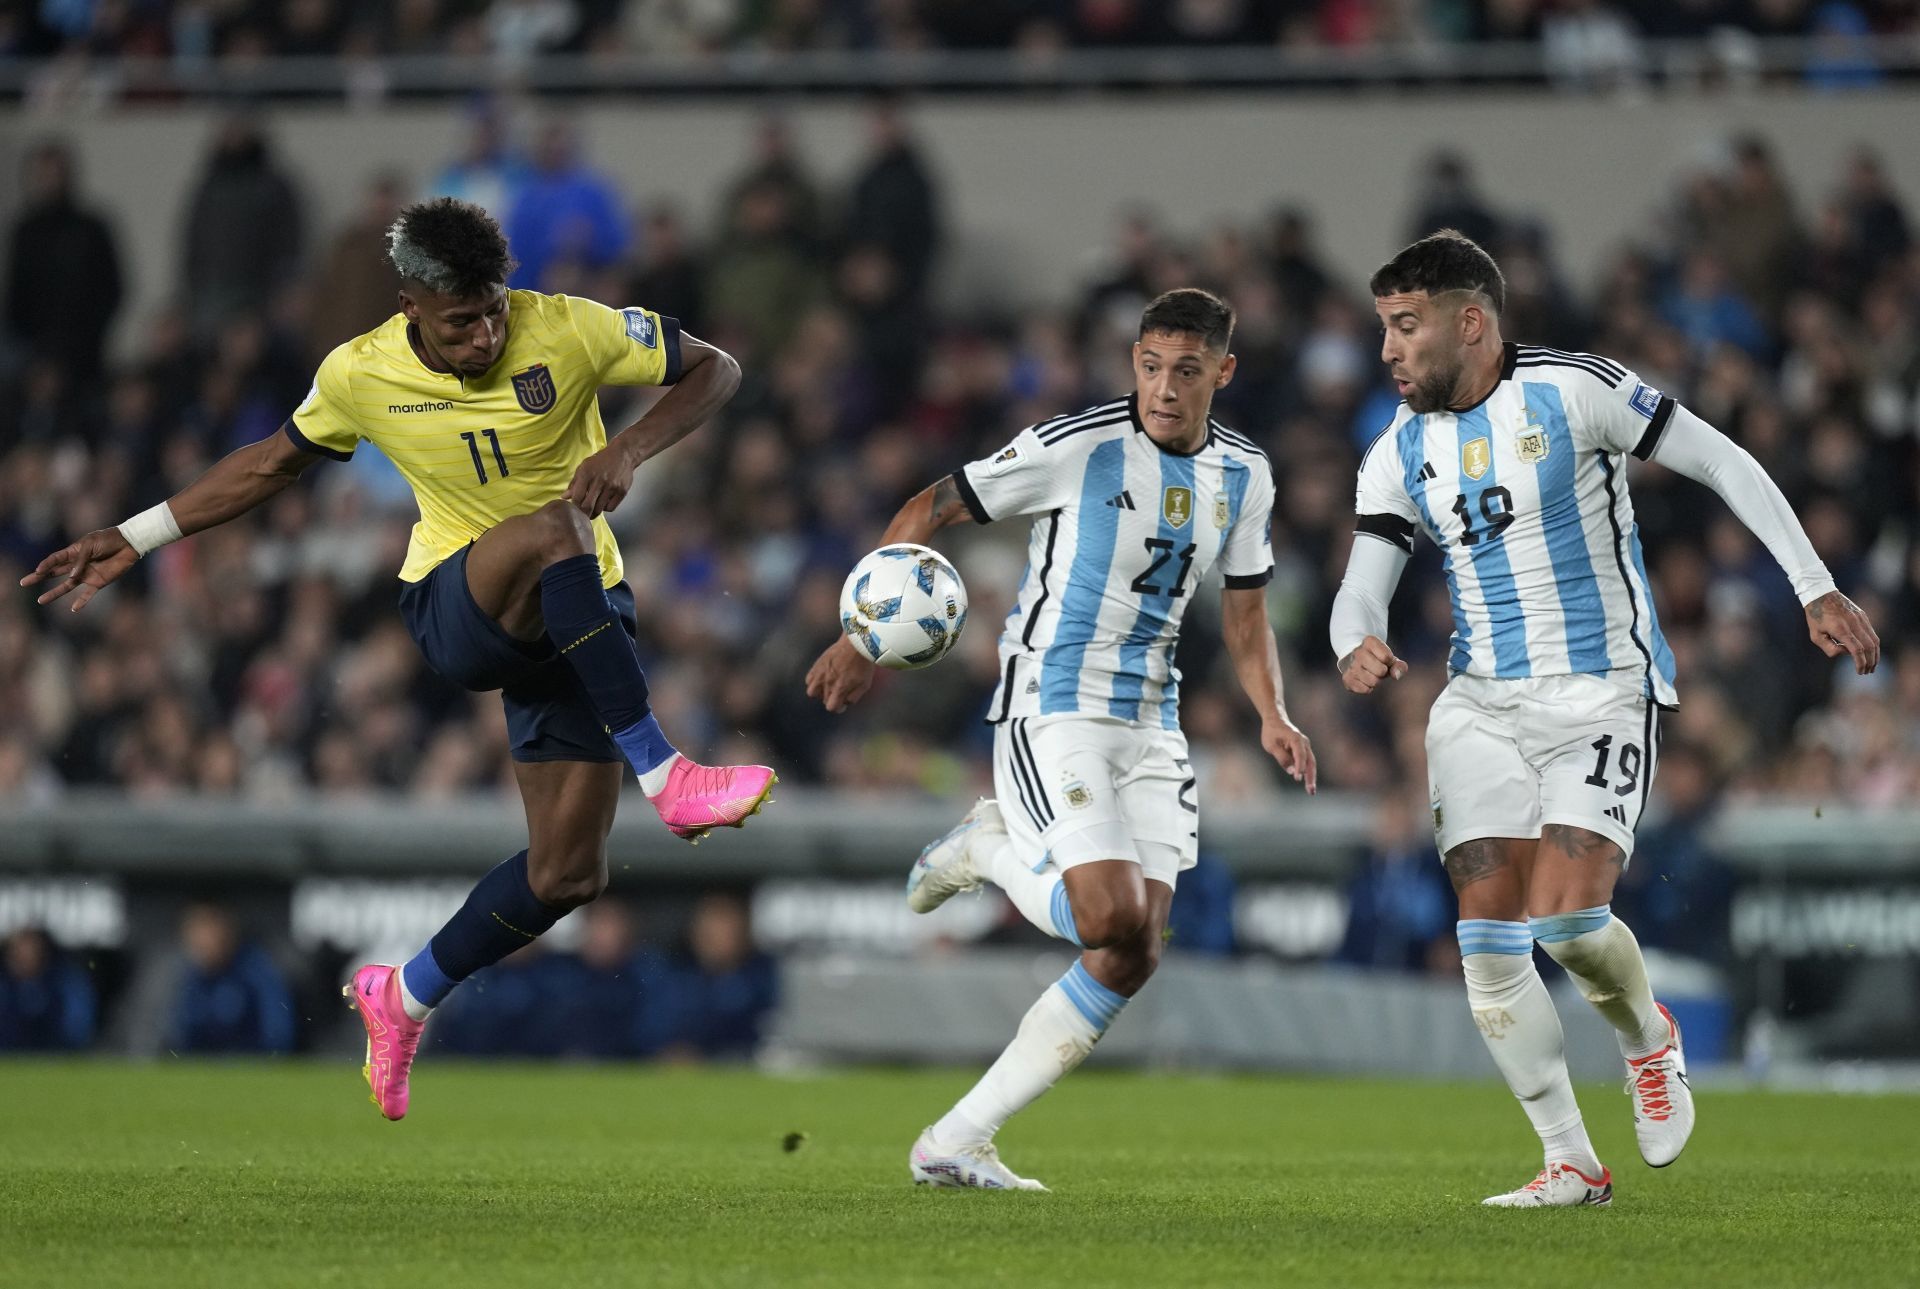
point(283, 1174)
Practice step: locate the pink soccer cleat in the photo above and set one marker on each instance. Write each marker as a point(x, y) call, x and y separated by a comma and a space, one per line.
point(700, 798)
point(393, 1037)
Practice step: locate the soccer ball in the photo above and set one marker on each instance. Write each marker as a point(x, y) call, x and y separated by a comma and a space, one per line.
point(903, 606)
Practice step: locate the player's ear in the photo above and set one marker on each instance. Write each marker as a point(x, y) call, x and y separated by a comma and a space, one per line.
point(1227, 368)
point(408, 307)
point(1473, 323)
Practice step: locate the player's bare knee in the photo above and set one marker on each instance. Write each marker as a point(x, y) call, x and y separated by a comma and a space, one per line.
point(563, 531)
point(1113, 919)
point(568, 885)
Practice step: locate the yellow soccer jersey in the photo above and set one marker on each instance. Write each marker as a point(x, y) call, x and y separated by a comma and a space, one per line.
point(482, 449)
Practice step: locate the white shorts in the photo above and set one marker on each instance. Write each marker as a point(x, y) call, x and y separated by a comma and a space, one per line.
point(1075, 788)
point(1505, 757)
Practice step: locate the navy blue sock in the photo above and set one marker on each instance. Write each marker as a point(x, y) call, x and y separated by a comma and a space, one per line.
point(501, 915)
point(587, 632)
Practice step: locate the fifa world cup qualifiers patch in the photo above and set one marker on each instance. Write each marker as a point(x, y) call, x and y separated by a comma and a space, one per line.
point(1009, 456)
point(1645, 400)
point(640, 328)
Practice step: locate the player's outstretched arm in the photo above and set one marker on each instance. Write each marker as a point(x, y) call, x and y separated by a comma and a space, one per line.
point(1358, 623)
point(708, 378)
point(840, 677)
point(1694, 448)
point(1256, 660)
point(236, 484)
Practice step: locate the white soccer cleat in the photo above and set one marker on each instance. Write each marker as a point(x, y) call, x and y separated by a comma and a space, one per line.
point(1559, 1185)
point(975, 1166)
point(945, 868)
point(1662, 1100)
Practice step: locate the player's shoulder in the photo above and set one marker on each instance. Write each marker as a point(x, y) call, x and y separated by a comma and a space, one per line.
point(1086, 427)
point(1535, 362)
point(1232, 445)
point(1385, 446)
point(540, 309)
point(370, 352)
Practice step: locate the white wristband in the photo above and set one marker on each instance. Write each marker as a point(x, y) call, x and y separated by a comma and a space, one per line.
point(151, 529)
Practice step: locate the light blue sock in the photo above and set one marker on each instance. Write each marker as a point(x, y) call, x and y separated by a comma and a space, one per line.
point(1090, 998)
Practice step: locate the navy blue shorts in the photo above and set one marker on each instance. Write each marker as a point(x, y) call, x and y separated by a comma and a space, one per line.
point(549, 714)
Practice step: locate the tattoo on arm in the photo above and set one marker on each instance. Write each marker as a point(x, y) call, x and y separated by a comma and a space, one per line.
point(1582, 844)
point(947, 506)
point(1476, 860)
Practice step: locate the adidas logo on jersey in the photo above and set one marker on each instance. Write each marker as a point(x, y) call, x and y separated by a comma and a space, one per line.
point(1123, 502)
point(1617, 813)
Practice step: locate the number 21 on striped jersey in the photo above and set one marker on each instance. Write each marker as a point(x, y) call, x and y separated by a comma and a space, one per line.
point(499, 457)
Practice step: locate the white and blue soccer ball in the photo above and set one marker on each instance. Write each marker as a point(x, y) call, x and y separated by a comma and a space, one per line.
point(903, 606)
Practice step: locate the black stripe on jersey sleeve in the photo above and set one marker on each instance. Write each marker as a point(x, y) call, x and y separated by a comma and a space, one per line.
point(1592, 369)
point(1051, 437)
point(307, 445)
point(1388, 528)
point(970, 497)
point(671, 326)
point(1611, 371)
point(1662, 413)
point(1248, 581)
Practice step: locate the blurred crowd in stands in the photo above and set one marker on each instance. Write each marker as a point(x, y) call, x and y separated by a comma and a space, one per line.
point(265, 660)
point(226, 988)
point(1576, 34)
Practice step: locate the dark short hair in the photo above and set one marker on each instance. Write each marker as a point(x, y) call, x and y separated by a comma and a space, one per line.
point(1448, 260)
point(1192, 312)
point(449, 246)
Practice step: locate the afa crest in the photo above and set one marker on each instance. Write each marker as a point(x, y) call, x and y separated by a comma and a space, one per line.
point(1476, 457)
point(1531, 445)
point(1078, 795)
point(534, 388)
point(1176, 506)
point(1222, 512)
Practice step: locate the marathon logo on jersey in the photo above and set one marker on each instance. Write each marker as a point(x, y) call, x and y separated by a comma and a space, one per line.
point(640, 328)
point(1476, 457)
point(1645, 400)
point(534, 388)
point(1008, 458)
point(1176, 506)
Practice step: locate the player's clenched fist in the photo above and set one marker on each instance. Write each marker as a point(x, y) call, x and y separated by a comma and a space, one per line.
point(1369, 663)
point(840, 677)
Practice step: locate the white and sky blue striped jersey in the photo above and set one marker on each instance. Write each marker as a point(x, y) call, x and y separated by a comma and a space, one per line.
point(1123, 532)
point(1526, 496)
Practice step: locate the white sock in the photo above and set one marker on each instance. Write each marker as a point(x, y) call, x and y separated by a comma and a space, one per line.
point(1599, 952)
point(1516, 1018)
point(1055, 1035)
point(415, 1009)
point(654, 781)
point(1041, 897)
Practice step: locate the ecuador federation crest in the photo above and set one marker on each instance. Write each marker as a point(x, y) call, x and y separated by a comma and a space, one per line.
point(534, 388)
point(1476, 456)
point(1176, 506)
